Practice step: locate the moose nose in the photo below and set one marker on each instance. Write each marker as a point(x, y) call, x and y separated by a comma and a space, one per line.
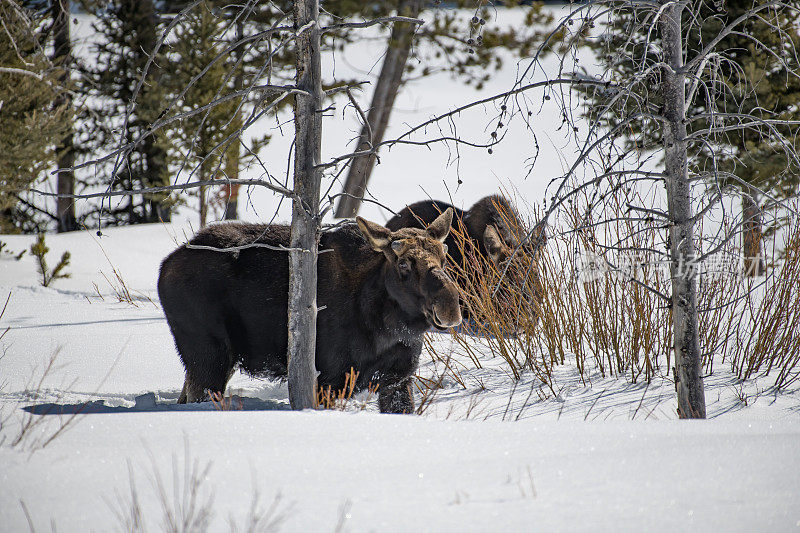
point(444, 298)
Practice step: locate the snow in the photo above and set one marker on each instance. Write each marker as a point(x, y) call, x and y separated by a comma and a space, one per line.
point(404, 473)
point(606, 456)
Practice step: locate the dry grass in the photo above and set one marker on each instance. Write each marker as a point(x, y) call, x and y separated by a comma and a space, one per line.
point(755, 322)
point(583, 300)
point(187, 502)
point(225, 403)
point(344, 399)
point(118, 286)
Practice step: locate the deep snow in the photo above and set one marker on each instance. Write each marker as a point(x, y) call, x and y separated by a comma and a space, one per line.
point(593, 459)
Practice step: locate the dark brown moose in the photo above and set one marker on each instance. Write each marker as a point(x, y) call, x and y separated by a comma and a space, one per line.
point(378, 292)
point(495, 230)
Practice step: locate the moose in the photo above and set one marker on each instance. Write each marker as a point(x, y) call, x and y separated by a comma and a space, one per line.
point(225, 297)
point(492, 227)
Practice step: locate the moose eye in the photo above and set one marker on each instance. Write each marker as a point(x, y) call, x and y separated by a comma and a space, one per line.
point(404, 266)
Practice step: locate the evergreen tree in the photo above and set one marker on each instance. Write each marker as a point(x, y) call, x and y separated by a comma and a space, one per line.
point(128, 35)
point(205, 143)
point(31, 124)
point(751, 77)
point(759, 84)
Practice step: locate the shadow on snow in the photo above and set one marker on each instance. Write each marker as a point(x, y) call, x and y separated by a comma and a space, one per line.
point(149, 403)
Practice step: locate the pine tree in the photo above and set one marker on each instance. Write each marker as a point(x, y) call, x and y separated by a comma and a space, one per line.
point(206, 141)
point(128, 30)
point(62, 58)
point(748, 79)
point(757, 83)
point(31, 124)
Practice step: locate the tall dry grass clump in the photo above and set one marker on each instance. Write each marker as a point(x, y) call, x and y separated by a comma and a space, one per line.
point(571, 300)
point(345, 399)
point(754, 323)
point(601, 299)
point(594, 297)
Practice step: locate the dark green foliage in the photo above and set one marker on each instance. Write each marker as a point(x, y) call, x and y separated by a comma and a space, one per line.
point(752, 73)
point(202, 71)
point(30, 124)
point(39, 250)
point(466, 44)
point(128, 34)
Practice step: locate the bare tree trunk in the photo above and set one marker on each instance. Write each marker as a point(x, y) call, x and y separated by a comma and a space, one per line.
point(386, 90)
point(688, 374)
point(305, 211)
point(231, 191)
point(232, 197)
point(62, 57)
point(751, 236)
point(203, 205)
point(202, 176)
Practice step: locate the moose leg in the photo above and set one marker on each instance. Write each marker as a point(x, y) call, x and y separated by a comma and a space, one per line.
point(197, 390)
point(192, 392)
point(207, 374)
point(396, 398)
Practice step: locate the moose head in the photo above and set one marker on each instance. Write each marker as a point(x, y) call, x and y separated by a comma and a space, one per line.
point(416, 278)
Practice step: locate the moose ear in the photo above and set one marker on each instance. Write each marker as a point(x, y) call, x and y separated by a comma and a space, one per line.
point(493, 243)
point(440, 228)
point(378, 237)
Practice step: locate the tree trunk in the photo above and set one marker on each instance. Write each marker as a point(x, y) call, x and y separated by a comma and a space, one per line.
point(201, 175)
point(62, 58)
point(688, 374)
point(386, 90)
point(232, 199)
point(752, 235)
point(231, 191)
point(305, 211)
point(202, 195)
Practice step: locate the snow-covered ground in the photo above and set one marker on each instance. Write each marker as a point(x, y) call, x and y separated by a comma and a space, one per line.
point(607, 457)
point(491, 454)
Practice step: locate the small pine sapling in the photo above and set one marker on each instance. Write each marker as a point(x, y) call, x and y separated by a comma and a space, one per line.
point(39, 249)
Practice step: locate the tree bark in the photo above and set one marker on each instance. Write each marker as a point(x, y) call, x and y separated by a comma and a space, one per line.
point(202, 176)
point(305, 211)
point(231, 191)
point(386, 90)
point(688, 372)
point(752, 235)
point(62, 58)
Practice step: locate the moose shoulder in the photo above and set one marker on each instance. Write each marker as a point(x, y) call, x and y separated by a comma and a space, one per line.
point(378, 292)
